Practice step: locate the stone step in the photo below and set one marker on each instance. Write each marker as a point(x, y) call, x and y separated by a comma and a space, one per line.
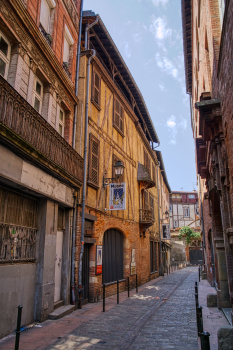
point(61, 311)
point(58, 304)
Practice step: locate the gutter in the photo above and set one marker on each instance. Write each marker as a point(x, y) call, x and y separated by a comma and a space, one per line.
point(160, 243)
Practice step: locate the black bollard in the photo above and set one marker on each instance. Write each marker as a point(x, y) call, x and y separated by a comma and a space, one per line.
point(128, 287)
point(196, 300)
point(104, 297)
point(18, 327)
point(196, 289)
point(199, 321)
point(136, 283)
point(199, 270)
point(205, 341)
point(117, 292)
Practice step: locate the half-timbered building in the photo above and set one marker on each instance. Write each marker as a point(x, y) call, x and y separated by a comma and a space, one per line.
point(119, 129)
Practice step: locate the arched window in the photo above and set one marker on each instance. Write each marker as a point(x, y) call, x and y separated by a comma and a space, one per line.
point(112, 256)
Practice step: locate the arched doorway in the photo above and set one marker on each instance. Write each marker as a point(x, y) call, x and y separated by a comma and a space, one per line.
point(112, 256)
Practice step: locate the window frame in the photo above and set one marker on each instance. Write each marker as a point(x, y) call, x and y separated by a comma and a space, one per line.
point(152, 207)
point(90, 181)
point(188, 212)
point(96, 103)
point(36, 95)
point(121, 116)
point(147, 161)
point(175, 226)
point(6, 58)
point(68, 37)
point(60, 123)
point(51, 5)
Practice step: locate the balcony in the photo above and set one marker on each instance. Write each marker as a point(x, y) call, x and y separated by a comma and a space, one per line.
point(145, 217)
point(46, 35)
point(22, 128)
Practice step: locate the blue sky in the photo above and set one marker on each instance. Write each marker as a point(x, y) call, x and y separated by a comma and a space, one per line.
point(148, 34)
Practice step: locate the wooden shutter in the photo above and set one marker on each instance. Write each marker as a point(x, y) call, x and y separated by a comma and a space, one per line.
point(93, 174)
point(152, 206)
point(153, 173)
point(146, 204)
point(96, 83)
point(118, 115)
point(149, 164)
point(147, 161)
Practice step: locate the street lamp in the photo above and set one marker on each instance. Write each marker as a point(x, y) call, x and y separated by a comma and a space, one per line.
point(166, 214)
point(119, 170)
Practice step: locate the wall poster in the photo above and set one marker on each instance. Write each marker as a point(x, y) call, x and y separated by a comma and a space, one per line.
point(166, 231)
point(99, 259)
point(117, 197)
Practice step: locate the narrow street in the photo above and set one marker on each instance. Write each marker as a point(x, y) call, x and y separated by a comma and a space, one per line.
point(160, 316)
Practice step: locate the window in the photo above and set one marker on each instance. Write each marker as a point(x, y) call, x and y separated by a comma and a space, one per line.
point(46, 18)
point(18, 217)
point(153, 257)
point(96, 85)
point(68, 42)
point(4, 55)
point(118, 116)
point(186, 212)
point(175, 224)
point(37, 95)
point(170, 207)
point(93, 174)
point(191, 196)
point(221, 4)
point(61, 123)
point(147, 161)
point(146, 204)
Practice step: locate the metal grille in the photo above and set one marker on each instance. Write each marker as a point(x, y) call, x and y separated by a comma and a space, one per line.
point(94, 170)
point(18, 226)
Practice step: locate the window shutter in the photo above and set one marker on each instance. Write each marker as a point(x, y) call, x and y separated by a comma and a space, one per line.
point(118, 115)
point(149, 164)
point(96, 87)
point(153, 173)
point(146, 204)
point(152, 206)
point(45, 15)
point(94, 161)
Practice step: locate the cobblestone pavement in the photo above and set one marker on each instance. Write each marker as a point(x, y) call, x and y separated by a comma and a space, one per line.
point(161, 316)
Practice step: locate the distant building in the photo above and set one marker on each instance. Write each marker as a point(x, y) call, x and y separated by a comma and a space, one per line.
point(184, 211)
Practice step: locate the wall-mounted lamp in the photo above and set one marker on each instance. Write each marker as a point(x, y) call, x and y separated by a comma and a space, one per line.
point(166, 214)
point(119, 170)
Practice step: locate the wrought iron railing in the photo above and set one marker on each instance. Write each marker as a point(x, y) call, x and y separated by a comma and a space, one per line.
point(145, 216)
point(20, 117)
point(46, 35)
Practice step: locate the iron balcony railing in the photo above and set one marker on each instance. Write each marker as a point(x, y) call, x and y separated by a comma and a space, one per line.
point(17, 115)
point(145, 216)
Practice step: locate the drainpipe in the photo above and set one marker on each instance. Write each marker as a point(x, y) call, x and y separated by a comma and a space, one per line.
point(87, 28)
point(73, 145)
point(84, 178)
point(160, 243)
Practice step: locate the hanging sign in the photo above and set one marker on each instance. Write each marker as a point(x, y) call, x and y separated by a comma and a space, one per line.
point(117, 198)
point(99, 258)
point(166, 231)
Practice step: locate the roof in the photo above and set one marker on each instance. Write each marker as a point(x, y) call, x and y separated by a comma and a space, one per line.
point(162, 167)
point(102, 40)
point(187, 41)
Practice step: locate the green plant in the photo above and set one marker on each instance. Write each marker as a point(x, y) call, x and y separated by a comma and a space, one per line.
point(189, 234)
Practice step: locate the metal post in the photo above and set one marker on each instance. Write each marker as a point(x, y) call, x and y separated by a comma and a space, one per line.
point(199, 273)
point(104, 297)
point(117, 292)
point(136, 283)
point(205, 341)
point(199, 321)
point(128, 287)
point(18, 327)
point(196, 300)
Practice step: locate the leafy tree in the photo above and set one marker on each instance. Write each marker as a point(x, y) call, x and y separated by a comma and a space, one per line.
point(189, 234)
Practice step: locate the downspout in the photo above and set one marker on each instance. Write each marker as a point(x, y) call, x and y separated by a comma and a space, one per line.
point(85, 162)
point(73, 145)
point(160, 243)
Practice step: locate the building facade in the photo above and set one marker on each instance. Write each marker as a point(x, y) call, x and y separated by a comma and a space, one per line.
point(119, 129)
point(207, 30)
point(184, 211)
point(40, 173)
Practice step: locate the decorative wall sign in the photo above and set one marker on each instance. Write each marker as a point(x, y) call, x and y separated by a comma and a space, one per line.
point(117, 198)
point(99, 259)
point(166, 231)
point(133, 268)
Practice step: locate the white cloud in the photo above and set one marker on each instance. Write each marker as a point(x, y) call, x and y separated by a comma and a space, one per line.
point(183, 123)
point(137, 38)
point(159, 30)
point(127, 49)
point(166, 65)
point(171, 122)
point(175, 126)
point(162, 87)
point(158, 2)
